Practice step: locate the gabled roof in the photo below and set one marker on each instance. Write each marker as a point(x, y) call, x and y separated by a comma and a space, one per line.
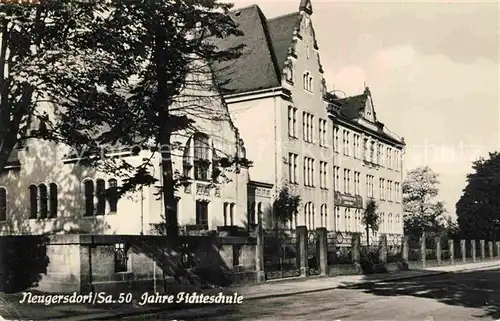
point(353, 108)
point(266, 46)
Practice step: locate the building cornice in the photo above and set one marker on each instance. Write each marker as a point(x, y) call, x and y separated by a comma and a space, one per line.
point(360, 128)
point(257, 94)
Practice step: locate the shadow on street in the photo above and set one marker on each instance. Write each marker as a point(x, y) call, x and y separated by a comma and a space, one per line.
point(477, 289)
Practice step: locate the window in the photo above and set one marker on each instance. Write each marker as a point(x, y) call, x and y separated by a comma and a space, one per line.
point(389, 223)
point(389, 157)
point(347, 181)
point(202, 213)
point(89, 197)
point(113, 195)
point(293, 221)
point(324, 216)
point(365, 149)
point(369, 185)
point(383, 227)
point(231, 214)
point(43, 199)
point(381, 189)
point(323, 174)
point(357, 182)
point(397, 190)
point(292, 168)
point(308, 127)
point(3, 204)
point(120, 258)
point(396, 228)
point(53, 200)
point(292, 121)
point(322, 132)
point(33, 191)
point(308, 52)
point(357, 147)
point(101, 197)
point(307, 81)
point(379, 153)
point(308, 172)
point(373, 156)
point(336, 213)
point(347, 219)
point(336, 182)
point(309, 215)
point(201, 157)
point(226, 212)
point(346, 146)
point(336, 134)
point(389, 183)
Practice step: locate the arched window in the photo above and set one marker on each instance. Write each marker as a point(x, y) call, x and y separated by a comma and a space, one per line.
point(338, 222)
point(201, 157)
point(3, 204)
point(324, 220)
point(389, 227)
point(101, 196)
point(113, 195)
point(346, 219)
point(42, 188)
point(88, 187)
point(52, 200)
point(33, 191)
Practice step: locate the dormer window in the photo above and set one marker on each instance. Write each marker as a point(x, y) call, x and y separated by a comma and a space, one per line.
point(308, 52)
point(307, 81)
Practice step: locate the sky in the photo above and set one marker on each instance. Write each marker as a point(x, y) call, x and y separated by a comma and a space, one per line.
point(432, 68)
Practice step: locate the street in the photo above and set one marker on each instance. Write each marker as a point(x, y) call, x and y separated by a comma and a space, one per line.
point(456, 296)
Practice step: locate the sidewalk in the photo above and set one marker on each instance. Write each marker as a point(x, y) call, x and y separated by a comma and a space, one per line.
point(11, 309)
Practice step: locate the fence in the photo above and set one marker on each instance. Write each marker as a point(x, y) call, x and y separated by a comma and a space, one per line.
point(280, 255)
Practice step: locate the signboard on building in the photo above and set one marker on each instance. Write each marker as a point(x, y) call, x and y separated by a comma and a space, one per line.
point(348, 200)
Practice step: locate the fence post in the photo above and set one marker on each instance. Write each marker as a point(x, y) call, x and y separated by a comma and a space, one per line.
point(483, 249)
point(323, 250)
point(302, 250)
point(356, 247)
point(451, 248)
point(383, 249)
point(423, 248)
point(406, 249)
point(498, 248)
point(259, 255)
point(437, 239)
point(473, 250)
point(463, 251)
point(490, 249)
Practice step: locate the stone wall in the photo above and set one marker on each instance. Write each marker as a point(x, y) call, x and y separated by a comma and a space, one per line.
point(87, 263)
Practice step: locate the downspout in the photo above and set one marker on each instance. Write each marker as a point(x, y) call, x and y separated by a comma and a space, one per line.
point(276, 147)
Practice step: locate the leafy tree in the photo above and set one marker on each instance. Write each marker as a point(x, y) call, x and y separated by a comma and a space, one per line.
point(421, 212)
point(42, 51)
point(478, 209)
point(371, 218)
point(152, 80)
point(285, 206)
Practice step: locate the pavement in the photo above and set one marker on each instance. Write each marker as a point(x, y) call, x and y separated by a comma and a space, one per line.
point(271, 290)
point(460, 296)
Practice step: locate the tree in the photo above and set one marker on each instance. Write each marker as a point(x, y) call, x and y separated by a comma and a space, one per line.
point(421, 211)
point(371, 218)
point(42, 51)
point(285, 206)
point(151, 81)
point(478, 209)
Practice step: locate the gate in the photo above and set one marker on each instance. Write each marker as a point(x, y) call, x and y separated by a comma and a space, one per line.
point(313, 252)
point(395, 249)
point(280, 255)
